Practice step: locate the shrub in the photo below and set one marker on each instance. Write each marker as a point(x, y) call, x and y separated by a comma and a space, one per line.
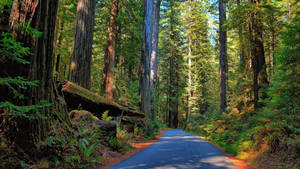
point(115, 144)
point(152, 128)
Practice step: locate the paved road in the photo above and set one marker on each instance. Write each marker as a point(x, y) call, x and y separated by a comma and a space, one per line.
point(177, 150)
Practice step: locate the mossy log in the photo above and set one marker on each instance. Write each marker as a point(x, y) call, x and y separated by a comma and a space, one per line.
point(78, 97)
point(131, 120)
point(108, 129)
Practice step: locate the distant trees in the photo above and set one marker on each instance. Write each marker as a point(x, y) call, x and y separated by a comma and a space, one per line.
point(80, 66)
point(171, 66)
point(197, 58)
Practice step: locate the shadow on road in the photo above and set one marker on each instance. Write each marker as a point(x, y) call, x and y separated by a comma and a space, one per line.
point(178, 150)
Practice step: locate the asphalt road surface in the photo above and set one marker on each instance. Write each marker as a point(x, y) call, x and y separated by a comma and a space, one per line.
point(177, 150)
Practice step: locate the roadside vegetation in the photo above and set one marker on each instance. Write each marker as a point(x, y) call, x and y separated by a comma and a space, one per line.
point(268, 137)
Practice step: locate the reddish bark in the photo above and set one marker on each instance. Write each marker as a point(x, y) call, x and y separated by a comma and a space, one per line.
point(80, 67)
point(108, 72)
point(260, 78)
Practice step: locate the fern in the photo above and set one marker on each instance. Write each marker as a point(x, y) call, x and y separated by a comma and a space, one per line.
point(106, 117)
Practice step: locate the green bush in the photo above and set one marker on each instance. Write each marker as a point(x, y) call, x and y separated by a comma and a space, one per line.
point(152, 127)
point(115, 144)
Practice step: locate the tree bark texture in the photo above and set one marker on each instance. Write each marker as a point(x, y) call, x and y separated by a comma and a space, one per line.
point(145, 104)
point(80, 67)
point(223, 55)
point(155, 32)
point(41, 15)
point(60, 38)
point(108, 72)
point(78, 97)
point(260, 78)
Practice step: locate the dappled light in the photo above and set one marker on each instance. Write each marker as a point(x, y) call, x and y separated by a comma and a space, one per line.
point(176, 149)
point(95, 83)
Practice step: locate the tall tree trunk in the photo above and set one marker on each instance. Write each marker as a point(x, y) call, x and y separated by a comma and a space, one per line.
point(272, 52)
point(241, 44)
point(80, 67)
point(155, 31)
point(171, 88)
point(145, 103)
point(108, 72)
point(223, 54)
point(190, 77)
point(260, 78)
point(59, 46)
point(41, 15)
point(154, 53)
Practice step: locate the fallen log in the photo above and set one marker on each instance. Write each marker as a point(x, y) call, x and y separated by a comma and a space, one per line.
point(108, 129)
point(80, 98)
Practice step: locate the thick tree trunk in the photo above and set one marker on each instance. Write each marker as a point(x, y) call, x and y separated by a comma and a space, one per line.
point(223, 54)
point(145, 104)
point(260, 78)
point(155, 31)
point(108, 72)
point(78, 97)
point(41, 15)
point(154, 53)
point(80, 67)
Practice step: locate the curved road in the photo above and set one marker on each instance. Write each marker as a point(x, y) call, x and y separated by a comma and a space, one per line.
point(177, 150)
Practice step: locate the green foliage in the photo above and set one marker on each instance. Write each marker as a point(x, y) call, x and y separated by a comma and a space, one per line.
point(4, 3)
point(84, 149)
point(138, 131)
point(278, 119)
point(106, 117)
point(25, 27)
point(125, 139)
point(53, 140)
point(11, 49)
point(272, 129)
point(115, 144)
point(15, 111)
point(152, 128)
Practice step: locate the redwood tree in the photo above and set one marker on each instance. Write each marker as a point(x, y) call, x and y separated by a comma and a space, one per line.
point(155, 31)
point(260, 78)
point(108, 73)
point(223, 54)
point(41, 16)
point(80, 67)
point(145, 103)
